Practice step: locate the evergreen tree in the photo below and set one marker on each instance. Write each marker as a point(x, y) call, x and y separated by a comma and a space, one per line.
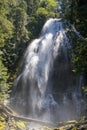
point(6, 27)
point(14, 37)
point(15, 46)
point(42, 10)
point(4, 85)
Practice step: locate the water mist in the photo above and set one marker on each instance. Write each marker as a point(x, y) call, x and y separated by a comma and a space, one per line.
point(46, 87)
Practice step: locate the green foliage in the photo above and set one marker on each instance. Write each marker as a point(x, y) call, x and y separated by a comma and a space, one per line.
point(14, 45)
point(76, 13)
point(50, 6)
point(68, 9)
point(5, 30)
point(81, 21)
point(9, 56)
point(80, 56)
point(4, 86)
point(13, 38)
point(41, 12)
point(6, 27)
point(20, 22)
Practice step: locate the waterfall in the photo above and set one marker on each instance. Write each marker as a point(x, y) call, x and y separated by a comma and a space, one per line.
point(46, 87)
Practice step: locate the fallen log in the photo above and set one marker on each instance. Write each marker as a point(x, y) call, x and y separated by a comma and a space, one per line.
point(11, 114)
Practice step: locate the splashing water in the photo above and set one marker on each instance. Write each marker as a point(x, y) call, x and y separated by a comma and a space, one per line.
point(46, 88)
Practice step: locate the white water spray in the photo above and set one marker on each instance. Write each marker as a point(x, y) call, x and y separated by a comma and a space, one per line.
point(45, 87)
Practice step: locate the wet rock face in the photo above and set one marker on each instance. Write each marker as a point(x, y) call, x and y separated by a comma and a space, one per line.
point(62, 75)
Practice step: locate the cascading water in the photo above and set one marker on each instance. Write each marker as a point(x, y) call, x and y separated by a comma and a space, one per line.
point(46, 88)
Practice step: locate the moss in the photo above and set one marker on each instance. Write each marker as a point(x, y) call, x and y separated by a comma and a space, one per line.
point(11, 123)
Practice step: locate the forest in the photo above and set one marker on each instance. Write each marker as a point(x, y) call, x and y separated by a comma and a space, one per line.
point(21, 22)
